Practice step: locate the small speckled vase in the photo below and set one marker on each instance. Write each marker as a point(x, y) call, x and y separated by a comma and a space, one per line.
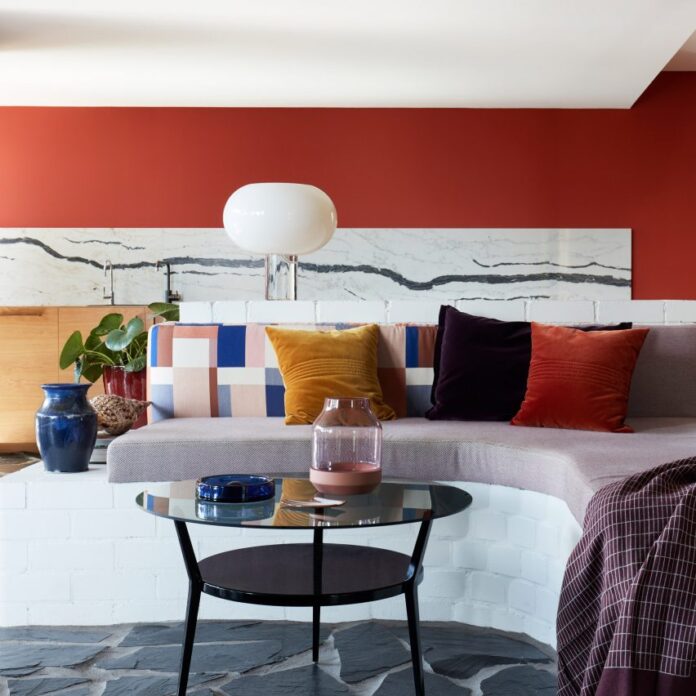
point(66, 428)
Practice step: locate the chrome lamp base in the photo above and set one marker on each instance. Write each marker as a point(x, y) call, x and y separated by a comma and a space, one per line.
point(281, 277)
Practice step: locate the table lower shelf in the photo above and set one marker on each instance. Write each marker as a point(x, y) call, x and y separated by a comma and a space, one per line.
point(283, 574)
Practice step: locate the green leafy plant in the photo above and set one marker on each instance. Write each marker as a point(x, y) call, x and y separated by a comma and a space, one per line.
point(112, 343)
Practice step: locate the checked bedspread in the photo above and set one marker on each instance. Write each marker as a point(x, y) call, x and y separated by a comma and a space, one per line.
point(627, 613)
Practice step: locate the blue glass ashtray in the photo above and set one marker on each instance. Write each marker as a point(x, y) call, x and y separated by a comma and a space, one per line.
point(235, 488)
point(234, 514)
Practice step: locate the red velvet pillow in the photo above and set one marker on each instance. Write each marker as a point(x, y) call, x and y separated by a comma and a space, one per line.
point(580, 379)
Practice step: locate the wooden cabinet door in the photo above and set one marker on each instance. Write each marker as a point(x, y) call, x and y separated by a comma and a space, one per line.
point(84, 319)
point(28, 358)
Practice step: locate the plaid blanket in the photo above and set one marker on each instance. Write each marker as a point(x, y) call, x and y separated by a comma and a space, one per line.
point(627, 613)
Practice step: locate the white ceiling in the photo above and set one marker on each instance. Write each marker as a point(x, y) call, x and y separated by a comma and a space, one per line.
point(413, 53)
point(685, 59)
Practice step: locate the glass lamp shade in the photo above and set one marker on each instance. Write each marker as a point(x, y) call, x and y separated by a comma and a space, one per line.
point(279, 218)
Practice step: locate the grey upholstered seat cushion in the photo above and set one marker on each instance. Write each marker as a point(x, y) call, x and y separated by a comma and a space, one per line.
point(568, 464)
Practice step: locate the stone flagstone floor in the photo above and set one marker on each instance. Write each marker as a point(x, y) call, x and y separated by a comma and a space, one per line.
point(236, 658)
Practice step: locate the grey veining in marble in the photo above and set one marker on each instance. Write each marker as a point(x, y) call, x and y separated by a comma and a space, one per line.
point(65, 266)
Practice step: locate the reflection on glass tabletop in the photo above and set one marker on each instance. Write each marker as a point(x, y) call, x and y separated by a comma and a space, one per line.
point(392, 502)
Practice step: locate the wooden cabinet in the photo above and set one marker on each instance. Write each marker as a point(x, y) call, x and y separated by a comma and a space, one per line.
point(31, 339)
point(28, 358)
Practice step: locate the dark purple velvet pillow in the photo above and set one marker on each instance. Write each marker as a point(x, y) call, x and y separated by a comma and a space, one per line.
point(481, 366)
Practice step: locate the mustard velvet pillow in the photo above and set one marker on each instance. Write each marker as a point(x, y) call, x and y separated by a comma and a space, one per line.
point(320, 364)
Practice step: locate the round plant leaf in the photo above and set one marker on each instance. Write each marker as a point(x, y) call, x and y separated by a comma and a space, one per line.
point(134, 327)
point(93, 342)
point(166, 310)
point(136, 364)
point(92, 372)
point(139, 345)
point(117, 340)
point(72, 350)
point(108, 323)
point(159, 307)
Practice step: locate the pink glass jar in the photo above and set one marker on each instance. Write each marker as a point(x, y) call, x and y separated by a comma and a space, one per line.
point(346, 447)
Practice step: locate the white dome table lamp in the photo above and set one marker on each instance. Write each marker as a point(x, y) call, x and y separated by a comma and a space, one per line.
point(280, 221)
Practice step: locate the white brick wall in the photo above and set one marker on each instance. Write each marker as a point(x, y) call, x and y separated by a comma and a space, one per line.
point(680, 311)
point(638, 311)
point(506, 310)
point(299, 312)
point(229, 312)
point(344, 311)
point(426, 311)
point(561, 312)
point(66, 561)
point(414, 311)
point(196, 312)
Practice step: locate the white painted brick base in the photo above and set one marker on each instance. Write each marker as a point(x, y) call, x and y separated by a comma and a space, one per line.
point(74, 549)
point(426, 311)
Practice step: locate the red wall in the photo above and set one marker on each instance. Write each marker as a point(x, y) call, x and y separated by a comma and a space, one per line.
point(159, 167)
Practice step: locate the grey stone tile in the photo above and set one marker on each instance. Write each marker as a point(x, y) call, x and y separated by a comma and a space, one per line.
point(367, 650)
point(55, 634)
point(294, 637)
point(401, 684)
point(22, 656)
point(303, 681)
point(173, 634)
point(466, 666)
point(460, 651)
point(154, 686)
point(38, 687)
point(520, 681)
point(207, 657)
point(473, 641)
point(19, 671)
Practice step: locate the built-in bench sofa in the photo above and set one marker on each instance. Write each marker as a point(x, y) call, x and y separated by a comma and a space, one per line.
point(76, 550)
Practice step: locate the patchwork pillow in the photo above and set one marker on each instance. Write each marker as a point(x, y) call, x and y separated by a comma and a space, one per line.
point(200, 370)
point(405, 367)
point(580, 380)
point(203, 370)
point(320, 364)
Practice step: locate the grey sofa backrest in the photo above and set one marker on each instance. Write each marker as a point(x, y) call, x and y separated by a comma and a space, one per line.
point(664, 382)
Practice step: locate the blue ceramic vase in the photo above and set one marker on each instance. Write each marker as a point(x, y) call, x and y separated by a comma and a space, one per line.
point(66, 428)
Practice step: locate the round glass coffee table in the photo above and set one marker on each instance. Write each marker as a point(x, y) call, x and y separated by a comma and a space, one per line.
point(306, 575)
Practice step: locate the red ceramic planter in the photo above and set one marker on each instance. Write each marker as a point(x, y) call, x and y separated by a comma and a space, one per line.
point(131, 385)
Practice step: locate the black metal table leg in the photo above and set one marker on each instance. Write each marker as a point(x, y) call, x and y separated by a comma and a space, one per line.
point(194, 598)
point(316, 608)
point(411, 593)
